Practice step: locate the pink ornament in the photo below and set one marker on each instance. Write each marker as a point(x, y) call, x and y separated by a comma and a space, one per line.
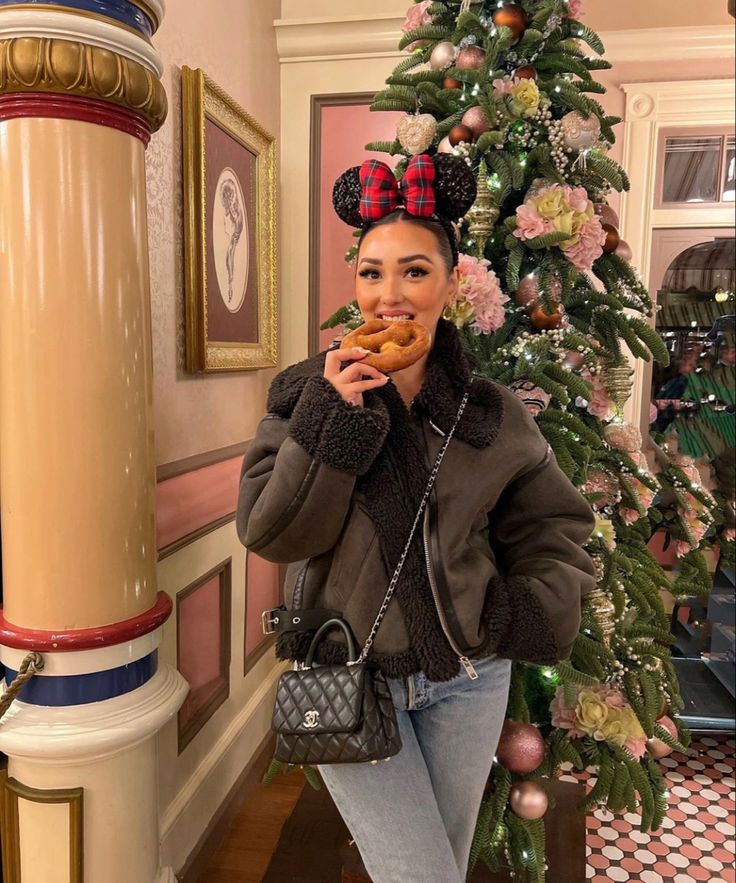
point(606, 214)
point(528, 800)
point(656, 747)
point(471, 58)
point(475, 119)
point(573, 360)
point(623, 250)
point(443, 55)
point(444, 146)
point(520, 748)
point(623, 436)
point(574, 9)
point(527, 291)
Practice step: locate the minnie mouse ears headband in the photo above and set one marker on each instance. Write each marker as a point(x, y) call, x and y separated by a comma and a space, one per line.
point(441, 185)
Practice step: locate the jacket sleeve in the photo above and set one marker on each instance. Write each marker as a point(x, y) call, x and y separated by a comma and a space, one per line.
point(298, 475)
point(537, 530)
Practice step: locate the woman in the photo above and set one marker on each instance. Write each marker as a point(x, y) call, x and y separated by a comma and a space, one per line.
point(331, 485)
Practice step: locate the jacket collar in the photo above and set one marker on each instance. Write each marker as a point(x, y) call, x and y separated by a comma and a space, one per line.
point(449, 374)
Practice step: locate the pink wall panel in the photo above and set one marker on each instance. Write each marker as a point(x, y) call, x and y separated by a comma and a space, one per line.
point(262, 593)
point(199, 622)
point(195, 499)
point(346, 129)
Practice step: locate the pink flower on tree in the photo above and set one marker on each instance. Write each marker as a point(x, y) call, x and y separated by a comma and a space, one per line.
point(636, 746)
point(529, 223)
point(600, 405)
point(563, 716)
point(503, 86)
point(574, 9)
point(480, 299)
point(589, 246)
point(417, 17)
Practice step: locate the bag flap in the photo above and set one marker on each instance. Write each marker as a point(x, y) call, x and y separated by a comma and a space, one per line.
point(323, 699)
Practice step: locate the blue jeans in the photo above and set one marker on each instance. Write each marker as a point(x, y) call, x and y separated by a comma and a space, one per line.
point(413, 817)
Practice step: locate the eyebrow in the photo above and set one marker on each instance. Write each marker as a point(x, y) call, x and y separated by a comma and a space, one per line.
point(406, 260)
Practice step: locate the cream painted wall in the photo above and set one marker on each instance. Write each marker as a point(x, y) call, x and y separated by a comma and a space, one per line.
point(605, 15)
point(233, 41)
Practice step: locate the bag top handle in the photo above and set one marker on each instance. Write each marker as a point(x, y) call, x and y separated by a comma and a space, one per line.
point(325, 627)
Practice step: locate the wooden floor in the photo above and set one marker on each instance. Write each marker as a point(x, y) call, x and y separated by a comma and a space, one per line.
point(248, 847)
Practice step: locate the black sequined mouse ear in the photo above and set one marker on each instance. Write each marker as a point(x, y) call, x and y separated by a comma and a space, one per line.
point(346, 197)
point(454, 186)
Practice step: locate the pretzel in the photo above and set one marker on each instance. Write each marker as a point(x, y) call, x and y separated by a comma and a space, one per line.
point(394, 345)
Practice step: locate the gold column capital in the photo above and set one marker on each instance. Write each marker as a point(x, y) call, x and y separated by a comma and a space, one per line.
point(37, 64)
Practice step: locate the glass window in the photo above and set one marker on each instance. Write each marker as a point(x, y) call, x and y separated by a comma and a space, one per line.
point(729, 181)
point(692, 169)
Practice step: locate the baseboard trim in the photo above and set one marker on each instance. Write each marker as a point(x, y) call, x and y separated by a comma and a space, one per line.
point(221, 822)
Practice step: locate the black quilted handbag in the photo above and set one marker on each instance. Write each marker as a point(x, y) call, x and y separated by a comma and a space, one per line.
point(335, 713)
point(343, 713)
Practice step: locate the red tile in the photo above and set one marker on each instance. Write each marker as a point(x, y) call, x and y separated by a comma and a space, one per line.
point(632, 865)
point(723, 855)
point(664, 869)
point(595, 842)
point(598, 861)
point(620, 825)
point(699, 873)
point(682, 832)
point(657, 847)
point(627, 845)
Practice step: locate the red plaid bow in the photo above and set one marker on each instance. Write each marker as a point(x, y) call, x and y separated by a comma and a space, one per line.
point(381, 193)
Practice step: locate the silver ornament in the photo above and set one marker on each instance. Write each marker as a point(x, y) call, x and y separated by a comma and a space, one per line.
point(579, 133)
point(416, 132)
point(443, 55)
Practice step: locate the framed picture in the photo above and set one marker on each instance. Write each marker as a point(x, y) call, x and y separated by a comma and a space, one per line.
point(229, 231)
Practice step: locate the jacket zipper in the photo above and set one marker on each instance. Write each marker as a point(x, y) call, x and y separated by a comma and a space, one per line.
point(409, 691)
point(464, 661)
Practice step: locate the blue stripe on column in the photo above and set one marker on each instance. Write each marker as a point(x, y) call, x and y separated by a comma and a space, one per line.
point(82, 689)
point(121, 10)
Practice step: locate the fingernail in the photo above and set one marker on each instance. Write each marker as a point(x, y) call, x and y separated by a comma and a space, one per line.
point(360, 349)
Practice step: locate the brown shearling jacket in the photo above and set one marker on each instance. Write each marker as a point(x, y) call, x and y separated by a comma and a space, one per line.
point(332, 490)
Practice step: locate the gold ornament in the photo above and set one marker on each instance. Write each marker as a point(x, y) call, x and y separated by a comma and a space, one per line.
point(416, 132)
point(38, 64)
point(604, 612)
point(483, 214)
point(617, 382)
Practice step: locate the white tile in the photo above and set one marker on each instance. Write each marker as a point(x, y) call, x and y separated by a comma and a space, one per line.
point(645, 857)
point(712, 864)
point(653, 877)
point(725, 828)
point(618, 874)
point(703, 844)
point(679, 861)
point(612, 852)
point(695, 825)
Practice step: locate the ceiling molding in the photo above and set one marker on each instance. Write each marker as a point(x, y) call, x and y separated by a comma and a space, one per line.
point(355, 36)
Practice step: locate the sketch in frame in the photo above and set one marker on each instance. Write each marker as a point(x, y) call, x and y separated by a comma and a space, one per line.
point(229, 231)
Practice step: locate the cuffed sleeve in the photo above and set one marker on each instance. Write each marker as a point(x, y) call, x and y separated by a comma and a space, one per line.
point(334, 432)
point(538, 529)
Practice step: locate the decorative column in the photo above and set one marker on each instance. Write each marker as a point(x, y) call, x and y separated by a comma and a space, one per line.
point(80, 96)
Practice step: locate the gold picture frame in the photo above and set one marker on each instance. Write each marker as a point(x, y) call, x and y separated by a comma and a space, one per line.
point(229, 165)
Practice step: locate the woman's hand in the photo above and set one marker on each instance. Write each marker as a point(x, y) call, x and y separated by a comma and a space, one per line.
point(355, 379)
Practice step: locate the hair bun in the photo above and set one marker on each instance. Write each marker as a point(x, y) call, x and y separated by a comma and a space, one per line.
point(346, 197)
point(454, 186)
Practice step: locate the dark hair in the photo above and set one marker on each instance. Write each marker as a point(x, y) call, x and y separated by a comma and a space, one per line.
point(454, 190)
point(442, 230)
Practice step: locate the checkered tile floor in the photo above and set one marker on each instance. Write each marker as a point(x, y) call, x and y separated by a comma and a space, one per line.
point(696, 841)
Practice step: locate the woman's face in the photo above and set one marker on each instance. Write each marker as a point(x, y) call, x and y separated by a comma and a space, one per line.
point(400, 273)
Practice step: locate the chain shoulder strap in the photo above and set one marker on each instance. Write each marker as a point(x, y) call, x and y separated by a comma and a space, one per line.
point(397, 573)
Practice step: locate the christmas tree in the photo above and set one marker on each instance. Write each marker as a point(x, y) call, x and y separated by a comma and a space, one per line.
point(550, 306)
